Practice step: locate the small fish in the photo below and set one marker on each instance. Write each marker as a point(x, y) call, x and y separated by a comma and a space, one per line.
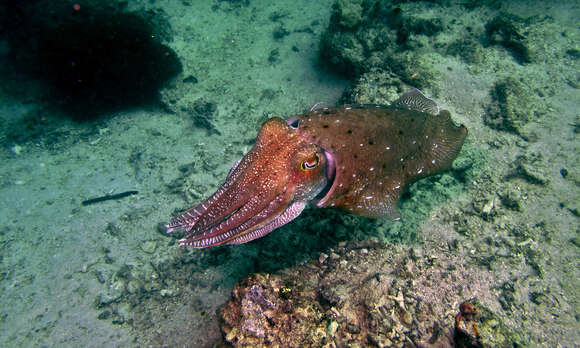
point(357, 158)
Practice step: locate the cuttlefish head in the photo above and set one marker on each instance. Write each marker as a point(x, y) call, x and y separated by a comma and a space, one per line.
point(266, 189)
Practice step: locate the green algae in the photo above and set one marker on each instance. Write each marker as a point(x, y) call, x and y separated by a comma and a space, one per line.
point(509, 31)
point(367, 35)
point(513, 106)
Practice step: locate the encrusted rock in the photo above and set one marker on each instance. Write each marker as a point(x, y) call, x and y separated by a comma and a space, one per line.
point(403, 300)
point(367, 35)
point(114, 291)
point(530, 167)
point(149, 246)
point(510, 32)
point(257, 314)
point(513, 106)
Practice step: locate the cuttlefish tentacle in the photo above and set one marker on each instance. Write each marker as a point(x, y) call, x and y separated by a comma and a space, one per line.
point(356, 158)
point(268, 188)
point(247, 218)
point(283, 218)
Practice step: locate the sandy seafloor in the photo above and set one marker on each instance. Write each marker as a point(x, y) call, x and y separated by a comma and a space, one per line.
point(103, 275)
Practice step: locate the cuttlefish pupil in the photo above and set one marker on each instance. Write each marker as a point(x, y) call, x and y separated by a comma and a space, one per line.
point(357, 158)
point(310, 163)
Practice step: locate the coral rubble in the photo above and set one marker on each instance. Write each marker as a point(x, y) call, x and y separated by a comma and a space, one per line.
point(362, 294)
point(367, 35)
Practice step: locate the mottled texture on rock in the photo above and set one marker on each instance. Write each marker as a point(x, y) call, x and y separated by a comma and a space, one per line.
point(374, 87)
point(369, 295)
point(366, 35)
point(510, 32)
point(263, 309)
point(513, 106)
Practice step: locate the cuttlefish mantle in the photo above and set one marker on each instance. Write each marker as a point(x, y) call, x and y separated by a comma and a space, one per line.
point(358, 158)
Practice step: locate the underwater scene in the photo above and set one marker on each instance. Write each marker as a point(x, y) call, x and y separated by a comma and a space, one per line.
point(251, 173)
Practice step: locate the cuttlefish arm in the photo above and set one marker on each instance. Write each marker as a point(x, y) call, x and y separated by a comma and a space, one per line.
point(266, 189)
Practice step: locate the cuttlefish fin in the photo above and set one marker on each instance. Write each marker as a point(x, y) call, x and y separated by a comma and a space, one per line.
point(392, 212)
point(452, 141)
point(318, 106)
point(417, 101)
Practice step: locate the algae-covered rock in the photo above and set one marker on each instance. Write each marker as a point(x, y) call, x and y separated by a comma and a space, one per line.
point(511, 197)
point(530, 167)
point(513, 106)
point(374, 87)
point(91, 61)
point(265, 308)
point(364, 294)
point(367, 35)
point(509, 31)
point(349, 13)
point(468, 49)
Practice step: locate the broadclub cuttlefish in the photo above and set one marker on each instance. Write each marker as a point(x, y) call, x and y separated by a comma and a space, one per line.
point(358, 158)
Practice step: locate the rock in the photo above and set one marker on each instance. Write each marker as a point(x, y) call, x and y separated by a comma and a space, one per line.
point(167, 292)
point(509, 31)
point(123, 311)
point(134, 286)
point(511, 197)
point(104, 315)
point(102, 275)
point(485, 205)
point(256, 313)
point(149, 246)
point(462, 163)
point(530, 167)
point(331, 328)
point(349, 13)
point(105, 44)
point(513, 106)
point(364, 37)
point(374, 87)
point(314, 305)
point(114, 292)
point(406, 318)
point(151, 286)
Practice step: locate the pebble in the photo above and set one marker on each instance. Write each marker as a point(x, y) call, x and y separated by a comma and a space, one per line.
point(124, 312)
point(488, 207)
point(113, 293)
point(167, 292)
point(406, 318)
point(133, 286)
point(331, 328)
point(101, 275)
point(149, 246)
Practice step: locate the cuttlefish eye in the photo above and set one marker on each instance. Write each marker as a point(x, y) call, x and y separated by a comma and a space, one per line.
point(293, 123)
point(310, 163)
